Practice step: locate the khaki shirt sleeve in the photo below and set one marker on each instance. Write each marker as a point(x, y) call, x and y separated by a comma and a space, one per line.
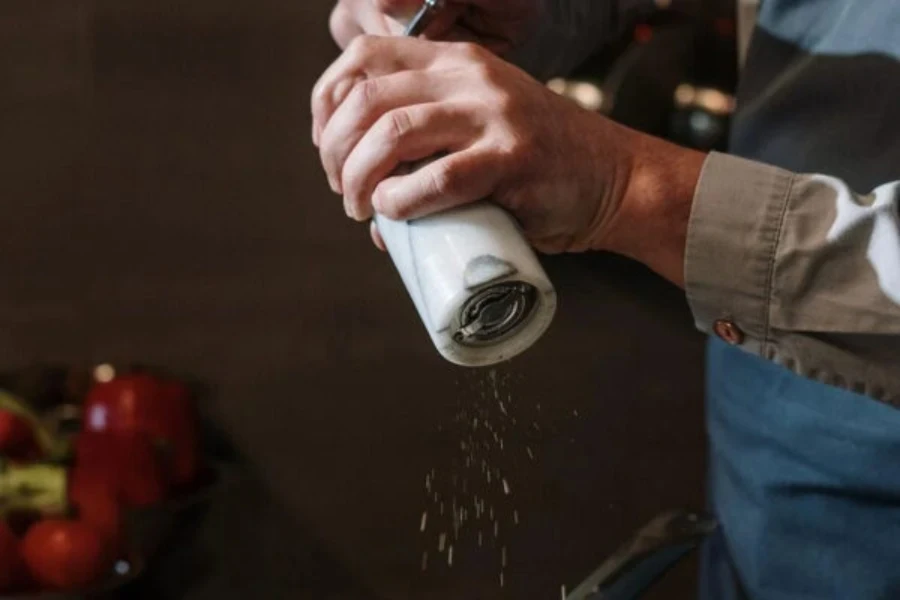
point(805, 268)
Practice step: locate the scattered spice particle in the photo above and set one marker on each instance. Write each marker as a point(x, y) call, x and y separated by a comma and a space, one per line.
point(480, 440)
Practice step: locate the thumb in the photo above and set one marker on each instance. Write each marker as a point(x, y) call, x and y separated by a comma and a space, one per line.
point(453, 180)
point(401, 10)
point(404, 10)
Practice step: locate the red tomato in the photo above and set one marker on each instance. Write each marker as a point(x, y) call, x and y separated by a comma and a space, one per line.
point(66, 555)
point(11, 566)
point(16, 437)
point(127, 465)
point(152, 406)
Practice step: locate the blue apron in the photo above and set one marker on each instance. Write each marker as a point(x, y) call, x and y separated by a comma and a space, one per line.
point(805, 481)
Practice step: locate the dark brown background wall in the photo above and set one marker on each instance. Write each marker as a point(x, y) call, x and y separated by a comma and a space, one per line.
point(161, 201)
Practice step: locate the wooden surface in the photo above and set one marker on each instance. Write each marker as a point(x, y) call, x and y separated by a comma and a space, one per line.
point(162, 202)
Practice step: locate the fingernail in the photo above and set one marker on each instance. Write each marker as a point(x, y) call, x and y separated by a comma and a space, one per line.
point(348, 209)
point(332, 181)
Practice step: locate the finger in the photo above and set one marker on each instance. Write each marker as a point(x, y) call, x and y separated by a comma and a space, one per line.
point(366, 57)
point(364, 105)
point(400, 10)
point(402, 135)
point(453, 180)
point(352, 19)
point(376, 237)
point(375, 22)
point(344, 26)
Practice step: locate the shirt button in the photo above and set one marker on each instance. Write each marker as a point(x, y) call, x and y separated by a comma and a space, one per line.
point(728, 331)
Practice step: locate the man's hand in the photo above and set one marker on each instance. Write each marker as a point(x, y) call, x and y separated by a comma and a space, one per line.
point(497, 24)
point(573, 179)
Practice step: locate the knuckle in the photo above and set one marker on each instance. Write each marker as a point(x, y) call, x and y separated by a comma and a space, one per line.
point(318, 99)
point(398, 124)
point(472, 51)
point(482, 72)
point(388, 206)
point(361, 48)
point(515, 149)
point(504, 99)
point(493, 80)
point(351, 182)
point(355, 207)
point(442, 181)
point(365, 92)
point(396, 212)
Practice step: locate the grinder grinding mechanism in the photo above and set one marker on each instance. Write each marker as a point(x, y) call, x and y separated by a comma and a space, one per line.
point(477, 284)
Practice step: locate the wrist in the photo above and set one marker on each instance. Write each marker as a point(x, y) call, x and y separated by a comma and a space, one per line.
point(650, 224)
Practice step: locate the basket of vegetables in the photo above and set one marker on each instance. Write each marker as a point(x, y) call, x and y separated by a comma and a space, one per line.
point(96, 473)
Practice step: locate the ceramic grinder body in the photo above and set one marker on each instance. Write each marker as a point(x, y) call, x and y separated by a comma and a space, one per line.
point(477, 284)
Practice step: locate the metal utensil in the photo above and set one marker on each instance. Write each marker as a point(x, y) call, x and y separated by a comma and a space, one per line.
point(423, 18)
point(646, 557)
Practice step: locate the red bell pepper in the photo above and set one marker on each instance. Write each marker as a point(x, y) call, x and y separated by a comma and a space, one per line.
point(160, 409)
point(127, 464)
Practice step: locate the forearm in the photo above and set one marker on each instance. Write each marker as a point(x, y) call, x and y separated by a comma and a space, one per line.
point(651, 225)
